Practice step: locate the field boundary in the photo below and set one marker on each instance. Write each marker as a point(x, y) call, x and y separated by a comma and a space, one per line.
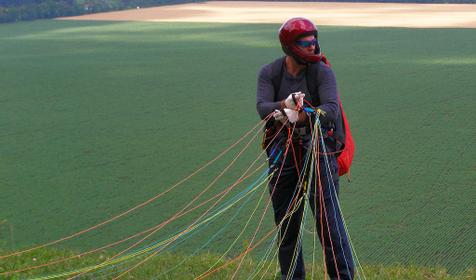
point(323, 13)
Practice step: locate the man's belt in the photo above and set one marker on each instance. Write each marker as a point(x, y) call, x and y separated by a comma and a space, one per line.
point(301, 131)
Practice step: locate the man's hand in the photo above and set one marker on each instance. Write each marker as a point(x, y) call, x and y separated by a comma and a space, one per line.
point(293, 115)
point(278, 115)
point(294, 100)
point(321, 112)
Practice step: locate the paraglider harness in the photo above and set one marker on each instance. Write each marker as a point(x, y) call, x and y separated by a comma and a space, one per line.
point(337, 134)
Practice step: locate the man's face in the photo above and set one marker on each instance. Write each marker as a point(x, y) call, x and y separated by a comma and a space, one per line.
point(307, 44)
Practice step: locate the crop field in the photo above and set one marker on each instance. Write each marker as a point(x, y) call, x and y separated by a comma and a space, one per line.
point(98, 117)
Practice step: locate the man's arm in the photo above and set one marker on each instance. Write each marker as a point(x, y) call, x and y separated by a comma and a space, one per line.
point(265, 95)
point(328, 95)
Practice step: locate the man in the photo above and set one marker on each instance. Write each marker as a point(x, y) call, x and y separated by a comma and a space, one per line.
point(283, 87)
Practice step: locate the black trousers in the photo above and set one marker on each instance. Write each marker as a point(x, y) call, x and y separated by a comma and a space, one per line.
point(285, 192)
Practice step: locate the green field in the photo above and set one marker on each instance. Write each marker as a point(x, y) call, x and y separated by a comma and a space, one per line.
point(97, 117)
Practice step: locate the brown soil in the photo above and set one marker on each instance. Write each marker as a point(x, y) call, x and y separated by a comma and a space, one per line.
point(345, 14)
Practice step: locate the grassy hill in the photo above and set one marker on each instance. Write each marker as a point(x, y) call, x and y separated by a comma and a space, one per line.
point(97, 117)
point(179, 266)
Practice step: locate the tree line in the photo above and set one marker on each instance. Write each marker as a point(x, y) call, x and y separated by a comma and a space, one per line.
point(377, 1)
point(18, 10)
point(405, 1)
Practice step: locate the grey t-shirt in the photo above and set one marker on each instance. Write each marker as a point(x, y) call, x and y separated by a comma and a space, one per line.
point(267, 101)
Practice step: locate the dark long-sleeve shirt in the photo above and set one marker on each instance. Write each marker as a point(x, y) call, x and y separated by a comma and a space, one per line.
point(267, 101)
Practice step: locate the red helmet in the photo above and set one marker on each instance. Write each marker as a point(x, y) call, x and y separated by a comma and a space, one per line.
point(291, 31)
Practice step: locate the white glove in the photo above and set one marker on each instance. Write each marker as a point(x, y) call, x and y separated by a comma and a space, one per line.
point(292, 115)
point(294, 100)
point(278, 115)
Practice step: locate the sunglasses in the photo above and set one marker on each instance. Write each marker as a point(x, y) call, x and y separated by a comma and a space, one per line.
point(306, 44)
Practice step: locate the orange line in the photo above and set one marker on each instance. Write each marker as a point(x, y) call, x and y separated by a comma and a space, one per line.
point(139, 205)
point(183, 209)
point(318, 186)
point(247, 251)
point(125, 239)
point(243, 177)
point(264, 213)
point(323, 206)
point(158, 251)
point(294, 151)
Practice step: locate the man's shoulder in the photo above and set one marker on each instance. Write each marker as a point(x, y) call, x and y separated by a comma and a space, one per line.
point(321, 66)
point(265, 71)
point(266, 67)
point(272, 68)
point(275, 64)
point(324, 66)
point(322, 69)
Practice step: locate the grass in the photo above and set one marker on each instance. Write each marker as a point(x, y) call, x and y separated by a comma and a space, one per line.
point(97, 117)
point(165, 266)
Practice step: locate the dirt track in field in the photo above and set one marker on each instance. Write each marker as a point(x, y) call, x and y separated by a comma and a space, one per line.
point(343, 14)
